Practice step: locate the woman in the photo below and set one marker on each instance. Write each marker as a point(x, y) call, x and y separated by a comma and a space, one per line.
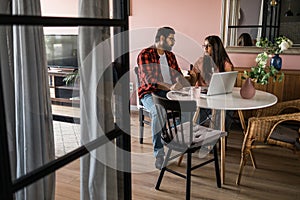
point(245, 40)
point(215, 59)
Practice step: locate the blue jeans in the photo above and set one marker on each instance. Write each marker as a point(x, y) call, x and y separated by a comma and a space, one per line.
point(148, 103)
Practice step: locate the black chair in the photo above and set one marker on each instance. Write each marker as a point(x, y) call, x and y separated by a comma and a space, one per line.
point(182, 136)
point(144, 114)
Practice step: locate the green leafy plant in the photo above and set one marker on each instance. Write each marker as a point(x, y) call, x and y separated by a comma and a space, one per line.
point(261, 72)
point(279, 45)
point(71, 78)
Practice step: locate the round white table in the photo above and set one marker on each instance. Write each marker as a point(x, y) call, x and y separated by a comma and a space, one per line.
point(230, 101)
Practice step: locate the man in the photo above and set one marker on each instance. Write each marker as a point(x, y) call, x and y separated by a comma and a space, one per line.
point(158, 72)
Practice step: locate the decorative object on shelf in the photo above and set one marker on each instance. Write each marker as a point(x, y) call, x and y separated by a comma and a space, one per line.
point(247, 90)
point(261, 73)
point(276, 61)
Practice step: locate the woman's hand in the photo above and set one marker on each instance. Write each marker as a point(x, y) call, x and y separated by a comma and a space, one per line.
point(194, 78)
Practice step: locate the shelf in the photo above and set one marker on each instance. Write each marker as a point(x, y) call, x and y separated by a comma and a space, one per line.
point(61, 93)
point(65, 101)
point(67, 87)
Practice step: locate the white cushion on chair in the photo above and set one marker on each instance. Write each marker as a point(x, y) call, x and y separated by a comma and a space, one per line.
point(201, 135)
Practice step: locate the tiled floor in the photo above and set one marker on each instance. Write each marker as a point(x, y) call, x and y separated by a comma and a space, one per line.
point(66, 136)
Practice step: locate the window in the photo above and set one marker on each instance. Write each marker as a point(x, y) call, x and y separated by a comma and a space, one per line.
point(260, 18)
point(116, 23)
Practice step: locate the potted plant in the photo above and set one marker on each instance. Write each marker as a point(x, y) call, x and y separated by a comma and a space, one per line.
point(72, 78)
point(260, 74)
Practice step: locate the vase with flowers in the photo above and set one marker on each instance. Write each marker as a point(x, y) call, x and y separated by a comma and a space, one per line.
point(275, 48)
point(260, 74)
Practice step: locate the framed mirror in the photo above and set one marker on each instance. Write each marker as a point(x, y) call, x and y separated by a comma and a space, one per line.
point(260, 18)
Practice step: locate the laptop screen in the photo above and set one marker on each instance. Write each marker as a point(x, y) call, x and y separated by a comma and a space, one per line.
point(222, 83)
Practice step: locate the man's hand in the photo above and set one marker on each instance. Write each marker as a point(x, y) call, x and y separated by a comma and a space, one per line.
point(164, 86)
point(176, 86)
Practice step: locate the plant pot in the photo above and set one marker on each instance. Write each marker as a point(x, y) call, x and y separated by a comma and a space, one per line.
point(276, 61)
point(247, 90)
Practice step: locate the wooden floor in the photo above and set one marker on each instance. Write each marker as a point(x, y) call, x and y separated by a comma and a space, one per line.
point(277, 175)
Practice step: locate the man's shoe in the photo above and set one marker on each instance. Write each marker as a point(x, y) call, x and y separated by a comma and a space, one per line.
point(159, 162)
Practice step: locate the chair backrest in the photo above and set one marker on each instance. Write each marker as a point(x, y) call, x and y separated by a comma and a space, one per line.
point(136, 71)
point(137, 83)
point(176, 121)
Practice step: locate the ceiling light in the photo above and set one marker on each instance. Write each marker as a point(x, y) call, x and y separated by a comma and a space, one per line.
point(273, 2)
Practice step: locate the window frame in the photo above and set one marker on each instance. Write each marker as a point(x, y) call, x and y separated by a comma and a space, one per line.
point(9, 186)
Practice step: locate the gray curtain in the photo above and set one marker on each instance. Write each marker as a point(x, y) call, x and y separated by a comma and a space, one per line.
point(7, 71)
point(98, 177)
point(23, 64)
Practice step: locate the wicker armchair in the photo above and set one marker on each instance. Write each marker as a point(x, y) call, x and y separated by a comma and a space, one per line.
point(278, 125)
point(284, 107)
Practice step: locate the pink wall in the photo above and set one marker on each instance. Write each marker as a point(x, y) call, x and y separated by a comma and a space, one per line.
point(195, 19)
point(290, 62)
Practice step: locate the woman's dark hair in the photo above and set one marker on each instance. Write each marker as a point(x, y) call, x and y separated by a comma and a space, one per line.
point(165, 31)
point(245, 40)
point(219, 54)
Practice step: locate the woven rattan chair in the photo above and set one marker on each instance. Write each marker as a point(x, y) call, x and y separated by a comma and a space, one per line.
point(278, 125)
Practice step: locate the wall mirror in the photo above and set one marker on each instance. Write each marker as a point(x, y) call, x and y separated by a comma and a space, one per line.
point(260, 18)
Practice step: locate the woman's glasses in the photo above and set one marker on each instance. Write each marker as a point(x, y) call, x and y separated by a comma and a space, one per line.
point(206, 46)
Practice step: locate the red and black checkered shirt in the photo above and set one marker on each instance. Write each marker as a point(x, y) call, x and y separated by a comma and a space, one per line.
point(149, 70)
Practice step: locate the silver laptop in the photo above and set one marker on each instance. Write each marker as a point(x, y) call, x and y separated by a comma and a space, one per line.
point(220, 83)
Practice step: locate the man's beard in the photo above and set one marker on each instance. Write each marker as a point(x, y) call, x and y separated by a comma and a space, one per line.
point(166, 46)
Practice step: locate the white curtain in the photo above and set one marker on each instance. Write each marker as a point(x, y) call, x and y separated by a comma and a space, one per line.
point(26, 91)
point(98, 180)
point(233, 21)
point(260, 19)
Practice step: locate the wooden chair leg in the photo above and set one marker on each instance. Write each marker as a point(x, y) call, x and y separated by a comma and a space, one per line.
point(180, 160)
point(161, 175)
point(252, 159)
point(188, 176)
point(162, 172)
point(141, 134)
point(141, 131)
point(217, 168)
point(242, 164)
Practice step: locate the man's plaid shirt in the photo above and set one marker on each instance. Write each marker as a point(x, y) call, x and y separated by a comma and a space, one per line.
point(149, 70)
